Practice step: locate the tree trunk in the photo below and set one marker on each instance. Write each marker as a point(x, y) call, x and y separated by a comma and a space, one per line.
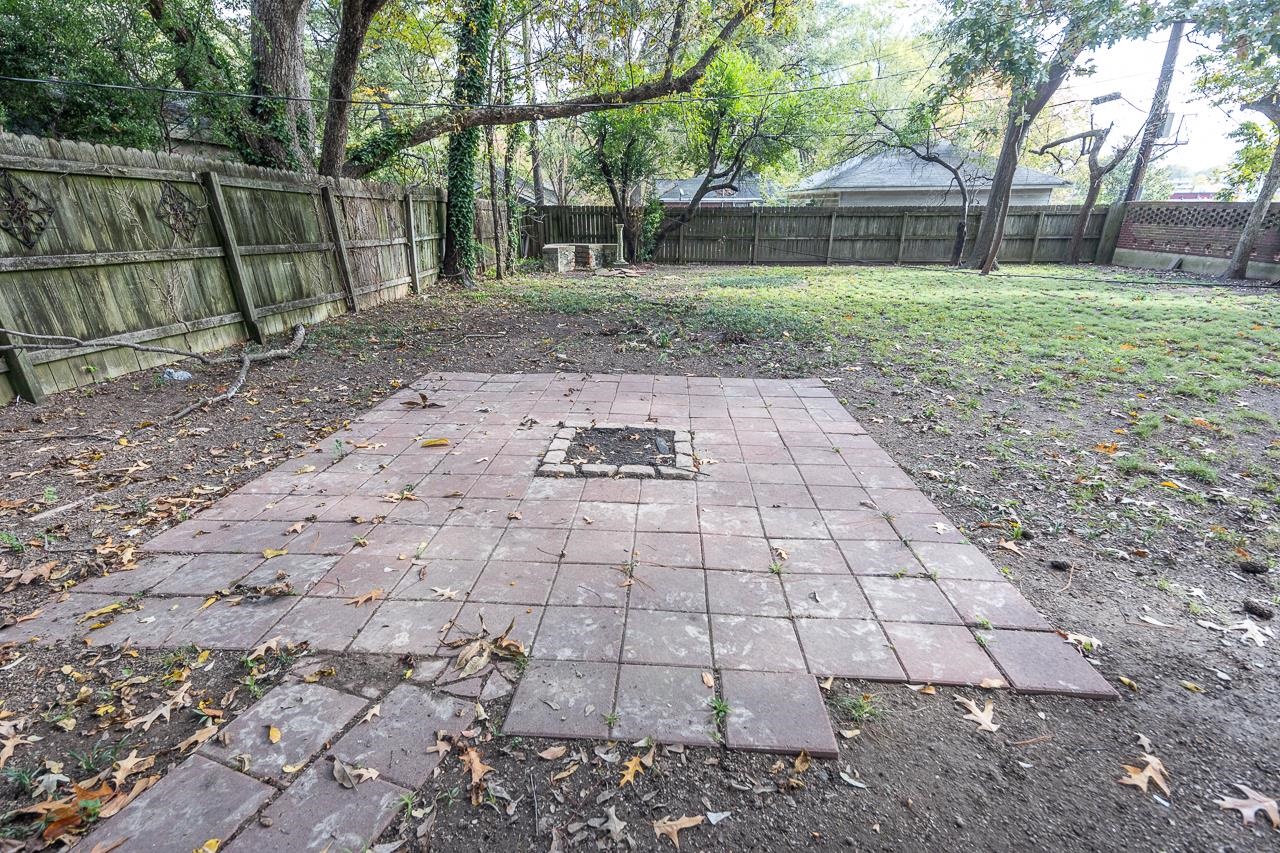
point(962, 233)
point(509, 205)
point(1021, 115)
point(354, 26)
point(495, 208)
point(1082, 219)
point(991, 227)
point(472, 37)
point(535, 153)
point(1257, 214)
point(280, 81)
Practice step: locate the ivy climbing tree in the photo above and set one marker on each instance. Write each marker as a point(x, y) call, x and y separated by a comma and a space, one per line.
point(474, 29)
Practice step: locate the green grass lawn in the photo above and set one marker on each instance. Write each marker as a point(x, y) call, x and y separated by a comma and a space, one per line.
point(1065, 332)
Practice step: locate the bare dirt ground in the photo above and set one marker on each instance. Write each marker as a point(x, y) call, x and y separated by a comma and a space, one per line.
point(1105, 550)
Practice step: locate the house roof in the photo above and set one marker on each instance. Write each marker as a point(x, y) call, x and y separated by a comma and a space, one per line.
point(893, 169)
point(680, 190)
point(523, 188)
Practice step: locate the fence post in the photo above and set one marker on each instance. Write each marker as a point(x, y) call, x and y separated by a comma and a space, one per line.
point(411, 243)
point(680, 244)
point(831, 235)
point(755, 235)
point(1035, 239)
point(231, 257)
point(22, 374)
point(339, 245)
point(1110, 236)
point(902, 236)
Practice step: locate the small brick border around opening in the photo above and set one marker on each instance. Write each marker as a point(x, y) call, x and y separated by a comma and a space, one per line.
point(557, 461)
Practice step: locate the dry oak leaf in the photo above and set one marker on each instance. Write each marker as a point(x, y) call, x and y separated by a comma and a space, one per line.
point(982, 717)
point(199, 737)
point(630, 769)
point(671, 826)
point(376, 594)
point(1254, 803)
point(470, 758)
point(551, 753)
point(1140, 778)
point(177, 699)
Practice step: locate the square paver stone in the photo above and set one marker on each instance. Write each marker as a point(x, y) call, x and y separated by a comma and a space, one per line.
point(198, 800)
point(307, 715)
point(661, 637)
point(397, 627)
point(580, 633)
point(746, 594)
point(562, 699)
point(589, 585)
point(514, 582)
point(848, 648)
point(908, 600)
point(671, 704)
point(521, 619)
point(776, 712)
point(826, 596)
point(207, 573)
point(955, 561)
point(756, 643)
point(995, 603)
point(1043, 662)
point(941, 654)
point(665, 588)
point(234, 623)
point(396, 742)
point(316, 813)
point(880, 557)
point(327, 624)
point(148, 572)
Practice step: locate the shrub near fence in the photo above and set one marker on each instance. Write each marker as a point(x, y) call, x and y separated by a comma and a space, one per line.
point(827, 235)
point(103, 243)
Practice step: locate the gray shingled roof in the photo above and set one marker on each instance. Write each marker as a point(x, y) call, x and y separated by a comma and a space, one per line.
point(893, 169)
point(681, 190)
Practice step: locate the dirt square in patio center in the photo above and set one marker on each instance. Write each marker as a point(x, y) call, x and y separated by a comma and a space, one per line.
point(622, 446)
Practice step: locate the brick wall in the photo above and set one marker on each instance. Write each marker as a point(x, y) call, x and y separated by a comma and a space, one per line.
point(1208, 229)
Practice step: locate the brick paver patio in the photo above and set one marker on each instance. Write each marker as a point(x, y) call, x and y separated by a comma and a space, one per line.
point(800, 550)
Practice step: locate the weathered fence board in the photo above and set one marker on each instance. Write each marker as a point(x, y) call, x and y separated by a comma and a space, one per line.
point(822, 235)
point(125, 244)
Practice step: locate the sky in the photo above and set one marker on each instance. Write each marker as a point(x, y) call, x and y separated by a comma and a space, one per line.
point(1131, 68)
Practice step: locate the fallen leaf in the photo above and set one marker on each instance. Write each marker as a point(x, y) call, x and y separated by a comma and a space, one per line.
point(982, 717)
point(551, 753)
point(1192, 686)
point(630, 769)
point(670, 827)
point(376, 594)
point(273, 734)
point(566, 773)
point(708, 679)
point(926, 689)
point(1130, 683)
point(1152, 771)
point(435, 442)
point(803, 762)
point(200, 736)
point(305, 469)
point(375, 711)
point(268, 553)
point(1251, 805)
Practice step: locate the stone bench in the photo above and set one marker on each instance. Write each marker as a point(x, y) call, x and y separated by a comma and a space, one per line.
point(566, 257)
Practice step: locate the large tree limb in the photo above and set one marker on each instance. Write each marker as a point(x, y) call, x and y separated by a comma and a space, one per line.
point(366, 158)
point(244, 358)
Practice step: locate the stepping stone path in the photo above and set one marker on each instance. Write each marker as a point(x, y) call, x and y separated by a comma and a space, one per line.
point(800, 550)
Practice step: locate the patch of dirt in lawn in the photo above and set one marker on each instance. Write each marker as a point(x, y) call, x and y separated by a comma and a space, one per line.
point(1108, 553)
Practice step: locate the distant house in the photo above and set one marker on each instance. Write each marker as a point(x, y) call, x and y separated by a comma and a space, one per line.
point(894, 177)
point(677, 192)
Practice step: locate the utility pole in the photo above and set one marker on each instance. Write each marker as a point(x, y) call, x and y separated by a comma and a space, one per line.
point(1159, 108)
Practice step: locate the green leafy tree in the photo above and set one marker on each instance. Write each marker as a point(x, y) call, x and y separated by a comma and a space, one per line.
point(101, 43)
point(1244, 70)
point(621, 155)
point(1251, 162)
point(744, 118)
point(1028, 50)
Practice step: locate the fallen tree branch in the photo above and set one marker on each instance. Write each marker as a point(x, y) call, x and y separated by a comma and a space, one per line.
point(245, 358)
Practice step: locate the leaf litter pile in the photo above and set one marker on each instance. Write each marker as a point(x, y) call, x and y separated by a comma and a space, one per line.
point(1134, 517)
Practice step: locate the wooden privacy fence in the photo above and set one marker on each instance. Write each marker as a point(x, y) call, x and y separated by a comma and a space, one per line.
point(828, 235)
point(102, 244)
